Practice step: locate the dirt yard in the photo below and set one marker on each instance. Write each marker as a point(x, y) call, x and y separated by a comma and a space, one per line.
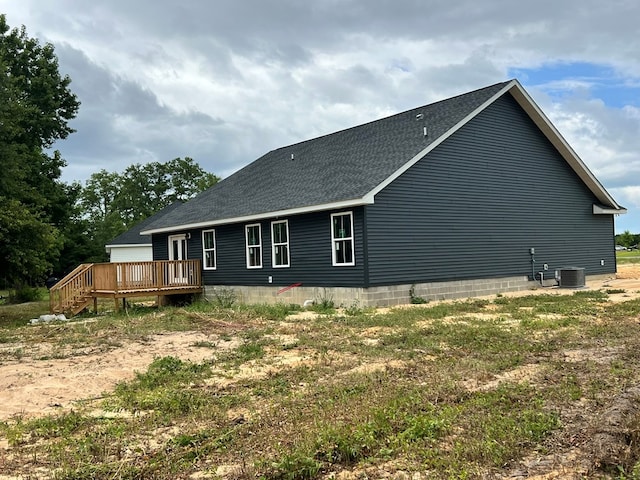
point(37, 381)
point(31, 386)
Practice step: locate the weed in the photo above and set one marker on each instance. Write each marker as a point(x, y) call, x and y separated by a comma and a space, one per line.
point(205, 344)
point(414, 298)
point(224, 297)
point(326, 308)
point(294, 466)
point(612, 291)
point(272, 312)
point(354, 309)
point(323, 303)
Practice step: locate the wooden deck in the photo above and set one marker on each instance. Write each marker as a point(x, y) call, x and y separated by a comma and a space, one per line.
point(88, 282)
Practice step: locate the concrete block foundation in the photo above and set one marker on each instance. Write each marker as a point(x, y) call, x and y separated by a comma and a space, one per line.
point(381, 296)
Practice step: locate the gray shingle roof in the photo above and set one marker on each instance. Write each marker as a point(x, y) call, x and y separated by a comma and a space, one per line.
point(337, 167)
point(133, 237)
point(347, 165)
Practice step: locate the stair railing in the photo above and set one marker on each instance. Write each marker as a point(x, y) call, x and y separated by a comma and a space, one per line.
point(72, 293)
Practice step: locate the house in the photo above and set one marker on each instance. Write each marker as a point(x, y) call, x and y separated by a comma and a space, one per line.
point(473, 195)
point(130, 246)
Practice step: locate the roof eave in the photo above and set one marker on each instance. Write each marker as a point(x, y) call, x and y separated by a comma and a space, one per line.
point(128, 245)
point(600, 210)
point(523, 99)
point(356, 202)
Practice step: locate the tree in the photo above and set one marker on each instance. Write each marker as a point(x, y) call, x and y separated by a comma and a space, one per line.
point(35, 108)
point(113, 202)
point(146, 189)
point(627, 239)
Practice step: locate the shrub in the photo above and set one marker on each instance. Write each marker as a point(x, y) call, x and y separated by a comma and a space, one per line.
point(25, 294)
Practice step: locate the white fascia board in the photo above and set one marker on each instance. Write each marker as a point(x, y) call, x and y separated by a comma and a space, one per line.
point(128, 245)
point(437, 142)
point(356, 202)
point(558, 141)
point(598, 210)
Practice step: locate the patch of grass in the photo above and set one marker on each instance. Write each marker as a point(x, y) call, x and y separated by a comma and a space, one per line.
point(499, 425)
point(14, 316)
point(355, 310)
point(27, 431)
point(326, 307)
point(26, 294)
point(272, 312)
point(247, 351)
point(163, 388)
point(621, 310)
point(631, 256)
point(457, 390)
point(294, 466)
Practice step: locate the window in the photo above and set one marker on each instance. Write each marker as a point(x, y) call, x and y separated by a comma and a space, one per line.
point(280, 243)
point(209, 249)
point(254, 246)
point(342, 239)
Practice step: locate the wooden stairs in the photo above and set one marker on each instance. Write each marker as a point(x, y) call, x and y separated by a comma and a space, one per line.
point(72, 294)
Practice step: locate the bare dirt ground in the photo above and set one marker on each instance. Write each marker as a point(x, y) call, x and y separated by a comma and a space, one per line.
point(31, 386)
point(37, 383)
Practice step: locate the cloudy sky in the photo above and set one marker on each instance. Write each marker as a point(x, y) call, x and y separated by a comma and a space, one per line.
point(225, 81)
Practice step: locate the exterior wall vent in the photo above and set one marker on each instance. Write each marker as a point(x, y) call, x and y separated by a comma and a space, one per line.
point(571, 277)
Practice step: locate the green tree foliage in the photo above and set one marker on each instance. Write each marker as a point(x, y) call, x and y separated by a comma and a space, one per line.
point(113, 202)
point(627, 239)
point(35, 108)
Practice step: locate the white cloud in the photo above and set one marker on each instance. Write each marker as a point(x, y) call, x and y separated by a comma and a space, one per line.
point(226, 81)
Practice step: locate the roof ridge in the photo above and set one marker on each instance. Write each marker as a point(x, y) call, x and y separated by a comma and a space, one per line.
point(388, 117)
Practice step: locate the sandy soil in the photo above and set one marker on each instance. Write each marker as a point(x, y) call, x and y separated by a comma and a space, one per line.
point(32, 387)
point(36, 383)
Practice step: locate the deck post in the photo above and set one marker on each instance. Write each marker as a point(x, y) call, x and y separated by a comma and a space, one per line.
point(159, 275)
point(95, 305)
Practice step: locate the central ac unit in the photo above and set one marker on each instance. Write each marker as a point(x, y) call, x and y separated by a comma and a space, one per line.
point(570, 277)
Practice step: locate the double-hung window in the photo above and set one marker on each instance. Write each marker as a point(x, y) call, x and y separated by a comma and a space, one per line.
point(209, 249)
point(280, 243)
point(342, 239)
point(254, 245)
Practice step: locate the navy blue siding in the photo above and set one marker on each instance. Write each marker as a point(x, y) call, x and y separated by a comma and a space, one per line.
point(477, 204)
point(310, 254)
point(160, 246)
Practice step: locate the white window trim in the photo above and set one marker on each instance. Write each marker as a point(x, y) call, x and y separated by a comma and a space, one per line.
point(274, 245)
point(205, 250)
point(246, 236)
point(334, 239)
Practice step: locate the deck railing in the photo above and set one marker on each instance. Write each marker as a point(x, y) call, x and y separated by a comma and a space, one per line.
point(119, 279)
point(130, 276)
